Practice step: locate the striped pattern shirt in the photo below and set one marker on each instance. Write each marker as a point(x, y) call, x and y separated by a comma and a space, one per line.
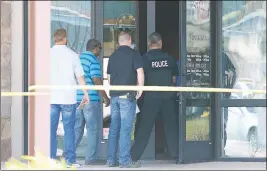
point(92, 69)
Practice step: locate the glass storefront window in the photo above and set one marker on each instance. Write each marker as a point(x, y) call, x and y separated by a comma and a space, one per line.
point(244, 48)
point(245, 134)
point(75, 17)
point(118, 16)
point(198, 69)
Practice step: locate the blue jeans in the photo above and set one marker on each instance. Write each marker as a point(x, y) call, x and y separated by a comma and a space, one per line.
point(68, 118)
point(89, 115)
point(122, 118)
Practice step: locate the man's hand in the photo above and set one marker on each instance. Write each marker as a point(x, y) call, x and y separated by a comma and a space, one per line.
point(139, 94)
point(86, 98)
point(140, 81)
point(106, 102)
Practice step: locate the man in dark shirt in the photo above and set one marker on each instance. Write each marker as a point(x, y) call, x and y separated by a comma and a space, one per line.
point(159, 68)
point(125, 67)
point(228, 81)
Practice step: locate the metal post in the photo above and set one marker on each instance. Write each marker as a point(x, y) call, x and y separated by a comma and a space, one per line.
point(216, 51)
point(182, 56)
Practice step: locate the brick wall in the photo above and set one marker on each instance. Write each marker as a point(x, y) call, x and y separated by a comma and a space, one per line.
point(5, 79)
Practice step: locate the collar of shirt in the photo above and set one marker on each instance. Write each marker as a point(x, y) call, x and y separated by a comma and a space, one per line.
point(124, 46)
point(155, 50)
point(89, 53)
point(59, 46)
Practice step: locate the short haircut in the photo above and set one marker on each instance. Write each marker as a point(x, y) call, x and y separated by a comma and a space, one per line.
point(154, 38)
point(59, 35)
point(92, 44)
point(124, 36)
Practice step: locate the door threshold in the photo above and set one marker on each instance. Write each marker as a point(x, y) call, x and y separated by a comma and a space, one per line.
point(158, 161)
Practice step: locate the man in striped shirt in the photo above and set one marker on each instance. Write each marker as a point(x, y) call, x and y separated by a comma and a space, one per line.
point(89, 114)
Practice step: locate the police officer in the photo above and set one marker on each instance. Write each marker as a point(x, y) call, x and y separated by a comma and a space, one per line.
point(159, 68)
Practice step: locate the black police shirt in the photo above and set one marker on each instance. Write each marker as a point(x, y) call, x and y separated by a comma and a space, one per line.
point(122, 67)
point(159, 69)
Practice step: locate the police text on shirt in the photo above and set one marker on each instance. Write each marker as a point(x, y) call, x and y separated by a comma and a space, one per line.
point(159, 64)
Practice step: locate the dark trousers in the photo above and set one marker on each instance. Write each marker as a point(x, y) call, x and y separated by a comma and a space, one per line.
point(150, 110)
point(140, 103)
point(225, 116)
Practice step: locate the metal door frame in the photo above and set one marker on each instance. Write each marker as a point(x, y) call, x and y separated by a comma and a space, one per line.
point(216, 8)
point(188, 150)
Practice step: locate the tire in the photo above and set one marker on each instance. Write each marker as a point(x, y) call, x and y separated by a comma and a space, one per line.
point(253, 142)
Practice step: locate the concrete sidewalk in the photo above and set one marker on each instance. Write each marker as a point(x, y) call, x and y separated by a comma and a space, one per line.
point(196, 166)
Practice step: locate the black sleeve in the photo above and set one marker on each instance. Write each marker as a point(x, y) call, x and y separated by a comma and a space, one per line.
point(138, 63)
point(175, 70)
point(109, 66)
point(145, 62)
point(230, 67)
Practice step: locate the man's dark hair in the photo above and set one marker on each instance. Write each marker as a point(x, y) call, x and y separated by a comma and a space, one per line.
point(154, 38)
point(92, 44)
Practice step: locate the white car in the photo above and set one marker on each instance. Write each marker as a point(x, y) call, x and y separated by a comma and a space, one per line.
point(243, 86)
point(242, 124)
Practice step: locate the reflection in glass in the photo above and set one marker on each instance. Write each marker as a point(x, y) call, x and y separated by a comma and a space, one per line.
point(118, 16)
point(244, 47)
point(245, 134)
point(75, 17)
point(197, 123)
point(198, 69)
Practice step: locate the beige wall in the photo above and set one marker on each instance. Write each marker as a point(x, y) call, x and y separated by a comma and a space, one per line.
point(11, 79)
point(5, 79)
point(17, 119)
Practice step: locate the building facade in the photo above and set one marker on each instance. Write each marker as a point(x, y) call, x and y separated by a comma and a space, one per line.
point(5, 79)
point(214, 44)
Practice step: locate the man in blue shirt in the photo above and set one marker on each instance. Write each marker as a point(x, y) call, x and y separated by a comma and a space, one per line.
point(90, 113)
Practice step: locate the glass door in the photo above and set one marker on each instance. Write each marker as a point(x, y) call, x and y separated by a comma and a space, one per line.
point(195, 68)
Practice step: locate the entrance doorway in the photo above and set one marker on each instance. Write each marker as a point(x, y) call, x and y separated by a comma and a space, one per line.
point(183, 40)
point(166, 23)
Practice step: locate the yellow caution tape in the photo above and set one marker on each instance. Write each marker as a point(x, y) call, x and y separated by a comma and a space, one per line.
point(145, 88)
point(128, 88)
point(24, 93)
point(38, 162)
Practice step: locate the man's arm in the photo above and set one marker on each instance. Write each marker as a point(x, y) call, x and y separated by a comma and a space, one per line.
point(138, 65)
point(95, 73)
point(109, 68)
point(81, 81)
point(140, 81)
point(79, 73)
point(97, 81)
point(140, 76)
point(108, 75)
